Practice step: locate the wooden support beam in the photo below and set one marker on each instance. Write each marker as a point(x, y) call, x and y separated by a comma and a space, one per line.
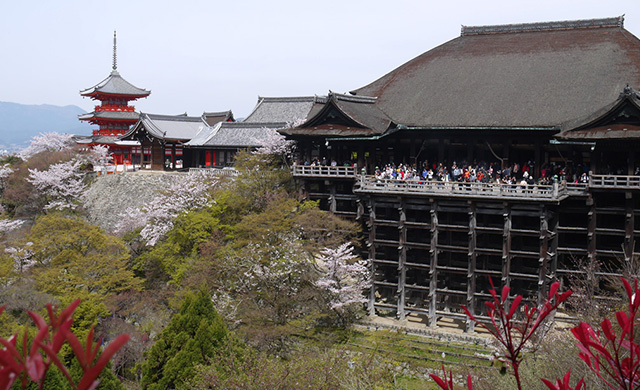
point(506, 246)
point(543, 266)
point(402, 259)
point(591, 229)
point(629, 222)
point(433, 274)
point(372, 256)
point(554, 223)
point(471, 270)
point(333, 202)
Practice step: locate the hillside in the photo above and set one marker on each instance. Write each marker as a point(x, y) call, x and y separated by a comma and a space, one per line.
point(20, 122)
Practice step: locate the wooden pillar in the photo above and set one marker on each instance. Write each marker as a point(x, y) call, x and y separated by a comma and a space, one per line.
point(591, 229)
point(333, 202)
point(372, 256)
point(543, 260)
point(433, 274)
point(538, 157)
point(441, 153)
point(631, 162)
point(629, 222)
point(506, 247)
point(554, 222)
point(471, 270)
point(402, 258)
point(505, 153)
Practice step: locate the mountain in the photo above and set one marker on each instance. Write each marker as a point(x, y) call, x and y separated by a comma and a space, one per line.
point(20, 122)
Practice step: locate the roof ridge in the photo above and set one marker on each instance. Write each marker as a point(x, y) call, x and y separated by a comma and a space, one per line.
point(287, 99)
point(255, 124)
point(354, 98)
point(179, 117)
point(581, 24)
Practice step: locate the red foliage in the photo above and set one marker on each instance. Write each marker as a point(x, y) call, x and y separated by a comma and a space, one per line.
point(513, 333)
point(613, 356)
point(563, 384)
point(34, 361)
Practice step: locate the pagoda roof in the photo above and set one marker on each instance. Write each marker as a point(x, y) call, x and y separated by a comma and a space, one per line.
point(166, 127)
point(536, 75)
point(214, 117)
point(115, 84)
point(112, 115)
point(282, 109)
point(343, 115)
point(234, 135)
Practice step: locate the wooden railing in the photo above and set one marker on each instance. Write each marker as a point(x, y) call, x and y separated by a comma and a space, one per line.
point(557, 191)
point(324, 171)
point(614, 181)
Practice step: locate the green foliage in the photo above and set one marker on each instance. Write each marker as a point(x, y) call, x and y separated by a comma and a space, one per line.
point(77, 260)
point(306, 369)
point(179, 250)
point(191, 338)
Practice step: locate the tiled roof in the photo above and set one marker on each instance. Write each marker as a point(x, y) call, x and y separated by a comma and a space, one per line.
point(116, 115)
point(115, 85)
point(282, 109)
point(524, 76)
point(171, 127)
point(234, 135)
point(214, 117)
point(346, 116)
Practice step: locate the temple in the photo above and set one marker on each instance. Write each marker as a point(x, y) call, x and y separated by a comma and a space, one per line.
point(510, 152)
point(114, 115)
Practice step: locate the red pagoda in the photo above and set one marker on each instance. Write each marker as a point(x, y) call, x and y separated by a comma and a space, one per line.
point(114, 115)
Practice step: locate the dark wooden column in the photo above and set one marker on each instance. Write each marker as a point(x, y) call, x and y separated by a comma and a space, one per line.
point(543, 260)
point(629, 222)
point(591, 229)
point(471, 270)
point(372, 256)
point(506, 247)
point(433, 274)
point(402, 258)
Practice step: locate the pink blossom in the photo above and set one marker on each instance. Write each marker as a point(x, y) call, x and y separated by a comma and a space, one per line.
point(62, 184)
point(344, 278)
point(47, 142)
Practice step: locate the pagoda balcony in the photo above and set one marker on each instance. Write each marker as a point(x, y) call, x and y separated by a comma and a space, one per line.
point(335, 172)
point(533, 192)
point(625, 182)
point(114, 107)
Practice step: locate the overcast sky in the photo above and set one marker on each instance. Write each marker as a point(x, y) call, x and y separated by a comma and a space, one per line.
point(198, 56)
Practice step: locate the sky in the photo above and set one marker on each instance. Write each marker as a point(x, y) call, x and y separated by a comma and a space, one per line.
point(198, 56)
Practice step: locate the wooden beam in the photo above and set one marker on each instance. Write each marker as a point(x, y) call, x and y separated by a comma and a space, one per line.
point(471, 271)
point(402, 259)
point(433, 274)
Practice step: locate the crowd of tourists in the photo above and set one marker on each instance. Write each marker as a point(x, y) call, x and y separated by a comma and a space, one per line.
point(485, 173)
point(517, 173)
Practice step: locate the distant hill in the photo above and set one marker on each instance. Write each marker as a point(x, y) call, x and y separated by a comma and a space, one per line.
point(20, 122)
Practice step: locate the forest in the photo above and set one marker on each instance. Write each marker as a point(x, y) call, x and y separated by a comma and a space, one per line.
point(240, 283)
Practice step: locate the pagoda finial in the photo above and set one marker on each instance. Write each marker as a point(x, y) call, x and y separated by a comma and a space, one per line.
point(115, 57)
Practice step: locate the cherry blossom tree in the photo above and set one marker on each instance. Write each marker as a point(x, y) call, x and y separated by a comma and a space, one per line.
point(47, 142)
point(156, 218)
point(22, 257)
point(6, 225)
point(343, 277)
point(97, 155)
point(274, 143)
point(62, 184)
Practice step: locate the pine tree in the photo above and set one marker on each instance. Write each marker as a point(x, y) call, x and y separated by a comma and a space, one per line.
point(191, 338)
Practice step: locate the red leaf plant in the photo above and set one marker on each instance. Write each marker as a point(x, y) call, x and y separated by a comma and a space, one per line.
point(34, 361)
point(563, 384)
point(613, 356)
point(447, 383)
point(511, 332)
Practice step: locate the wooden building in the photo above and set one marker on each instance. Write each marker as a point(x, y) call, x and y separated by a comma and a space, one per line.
point(559, 98)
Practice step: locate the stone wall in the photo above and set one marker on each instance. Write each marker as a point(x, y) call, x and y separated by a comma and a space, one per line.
point(109, 195)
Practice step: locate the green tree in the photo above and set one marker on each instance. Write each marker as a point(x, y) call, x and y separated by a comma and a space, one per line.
point(191, 338)
point(77, 260)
